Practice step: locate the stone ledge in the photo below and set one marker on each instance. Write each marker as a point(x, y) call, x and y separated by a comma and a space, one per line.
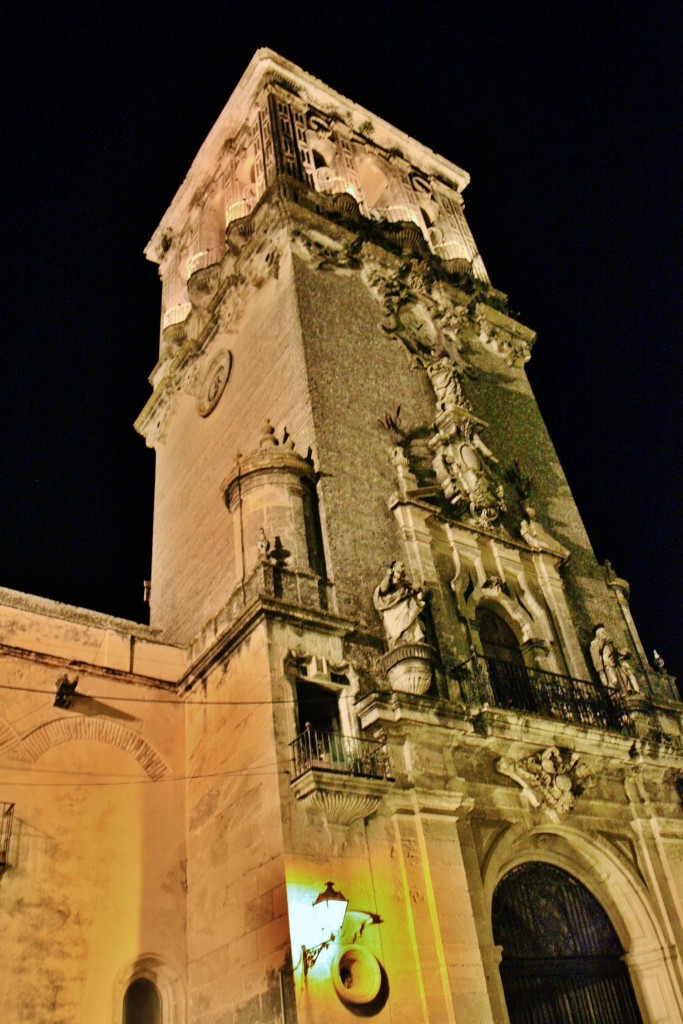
point(342, 798)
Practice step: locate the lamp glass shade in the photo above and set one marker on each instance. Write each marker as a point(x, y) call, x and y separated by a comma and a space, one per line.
point(330, 909)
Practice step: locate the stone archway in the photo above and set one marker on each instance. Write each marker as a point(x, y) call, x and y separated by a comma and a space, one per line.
point(561, 957)
point(65, 730)
point(654, 964)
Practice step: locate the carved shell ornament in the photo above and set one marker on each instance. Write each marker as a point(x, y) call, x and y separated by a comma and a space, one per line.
point(214, 382)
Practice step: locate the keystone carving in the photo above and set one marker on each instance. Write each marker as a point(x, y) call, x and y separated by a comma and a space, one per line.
point(552, 778)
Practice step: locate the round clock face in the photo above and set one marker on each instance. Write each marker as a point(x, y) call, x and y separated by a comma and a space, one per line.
point(213, 385)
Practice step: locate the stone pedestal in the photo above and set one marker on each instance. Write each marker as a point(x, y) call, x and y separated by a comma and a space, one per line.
point(409, 668)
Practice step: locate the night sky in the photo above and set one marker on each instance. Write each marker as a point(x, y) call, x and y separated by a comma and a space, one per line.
point(565, 115)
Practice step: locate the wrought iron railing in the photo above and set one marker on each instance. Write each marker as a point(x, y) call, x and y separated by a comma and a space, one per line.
point(348, 755)
point(504, 684)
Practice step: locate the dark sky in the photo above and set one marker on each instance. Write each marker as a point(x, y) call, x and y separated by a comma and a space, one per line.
point(565, 114)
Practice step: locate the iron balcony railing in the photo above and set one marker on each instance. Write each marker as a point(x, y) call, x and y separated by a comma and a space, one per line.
point(504, 684)
point(348, 755)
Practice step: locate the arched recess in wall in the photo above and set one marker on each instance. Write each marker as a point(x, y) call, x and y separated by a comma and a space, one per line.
point(65, 730)
point(653, 962)
point(151, 988)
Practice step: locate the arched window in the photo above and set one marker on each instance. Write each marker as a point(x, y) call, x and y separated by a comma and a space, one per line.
point(142, 1003)
point(506, 669)
point(561, 956)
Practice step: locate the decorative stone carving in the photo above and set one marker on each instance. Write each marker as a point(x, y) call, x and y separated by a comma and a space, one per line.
point(409, 668)
point(213, 385)
point(537, 537)
point(552, 778)
point(400, 606)
point(446, 383)
point(503, 336)
point(612, 665)
point(412, 315)
point(659, 663)
point(342, 801)
point(459, 453)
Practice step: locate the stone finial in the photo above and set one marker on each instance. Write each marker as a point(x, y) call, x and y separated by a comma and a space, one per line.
point(268, 439)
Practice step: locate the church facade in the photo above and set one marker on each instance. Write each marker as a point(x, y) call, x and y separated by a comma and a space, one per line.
point(390, 746)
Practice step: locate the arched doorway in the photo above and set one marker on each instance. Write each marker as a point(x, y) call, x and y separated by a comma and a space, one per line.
point(562, 959)
point(142, 1003)
point(506, 669)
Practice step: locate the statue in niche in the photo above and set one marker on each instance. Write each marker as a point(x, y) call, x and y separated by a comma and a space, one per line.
point(400, 605)
point(612, 665)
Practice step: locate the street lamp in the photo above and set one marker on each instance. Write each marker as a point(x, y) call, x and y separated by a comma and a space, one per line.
point(329, 908)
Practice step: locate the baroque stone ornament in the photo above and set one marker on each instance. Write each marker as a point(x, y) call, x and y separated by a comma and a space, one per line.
point(612, 665)
point(213, 385)
point(460, 457)
point(411, 314)
point(552, 778)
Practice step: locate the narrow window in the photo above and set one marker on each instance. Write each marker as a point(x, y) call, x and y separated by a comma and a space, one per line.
point(142, 1003)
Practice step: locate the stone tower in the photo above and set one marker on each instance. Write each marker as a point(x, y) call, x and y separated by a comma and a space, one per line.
point(389, 673)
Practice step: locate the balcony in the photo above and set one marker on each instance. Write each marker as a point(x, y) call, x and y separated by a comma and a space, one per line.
point(344, 777)
point(332, 752)
point(504, 684)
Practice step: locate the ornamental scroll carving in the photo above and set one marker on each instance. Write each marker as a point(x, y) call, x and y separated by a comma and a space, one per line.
point(552, 778)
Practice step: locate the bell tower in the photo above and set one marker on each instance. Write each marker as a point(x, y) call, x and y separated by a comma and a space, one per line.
point(362, 532)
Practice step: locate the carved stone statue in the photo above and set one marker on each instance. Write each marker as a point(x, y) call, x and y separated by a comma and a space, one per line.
point(400, 606)
point(659, 663)
point(611, 664)
point(263, 546)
